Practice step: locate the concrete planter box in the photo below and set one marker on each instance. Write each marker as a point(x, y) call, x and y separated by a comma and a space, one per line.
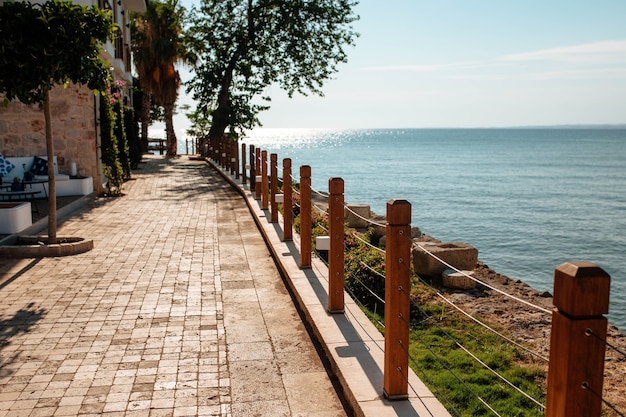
point(458, 254)
point(67, 186)
point(14, 217)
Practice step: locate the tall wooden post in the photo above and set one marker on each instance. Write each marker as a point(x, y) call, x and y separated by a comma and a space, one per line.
point(223, 153)
point(257, 175)
point(336, 253)
point(252, 170)
point(243, 163)
point(287, 200)
point(235, 159)
point(577, 348)
point(397, 302)
point(273, 188)
point(264, 183)
point(305, 216)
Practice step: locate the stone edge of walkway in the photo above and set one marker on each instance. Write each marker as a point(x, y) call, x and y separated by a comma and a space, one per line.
point(352, 345)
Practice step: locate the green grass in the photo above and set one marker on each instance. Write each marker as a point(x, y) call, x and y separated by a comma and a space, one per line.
point(458, 380)
point(453, 376)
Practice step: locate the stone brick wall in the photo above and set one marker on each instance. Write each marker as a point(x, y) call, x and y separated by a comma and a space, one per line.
point(22, 131)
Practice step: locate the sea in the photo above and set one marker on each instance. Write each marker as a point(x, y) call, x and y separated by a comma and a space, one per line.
point(529, 199)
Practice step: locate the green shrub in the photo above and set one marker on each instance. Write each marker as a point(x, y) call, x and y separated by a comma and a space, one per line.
point(110, 159)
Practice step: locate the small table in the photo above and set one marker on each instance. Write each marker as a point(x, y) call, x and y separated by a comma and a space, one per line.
point(36, 181)
point(20, 196)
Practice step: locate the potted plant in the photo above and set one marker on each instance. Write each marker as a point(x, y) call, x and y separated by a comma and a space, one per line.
point(17, 185)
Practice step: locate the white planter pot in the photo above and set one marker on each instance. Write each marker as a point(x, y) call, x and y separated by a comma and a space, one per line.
point(14, 217)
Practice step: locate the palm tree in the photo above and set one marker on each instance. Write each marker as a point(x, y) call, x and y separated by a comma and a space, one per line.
point(157, 45)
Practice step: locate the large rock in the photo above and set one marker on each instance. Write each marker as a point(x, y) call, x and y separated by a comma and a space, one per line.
point(357, 215)
point(460, 255)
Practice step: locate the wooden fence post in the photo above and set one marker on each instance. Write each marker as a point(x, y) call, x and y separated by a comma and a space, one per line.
point(257, 176)
point(252, 170)
point(243, 164)
point(223, 153)
point(397, 302)
point(305, 216)
point(273, 187)
point(264, 183)
point(577, 340)
point(235, 159)
point(287, 200)
point(336, 252)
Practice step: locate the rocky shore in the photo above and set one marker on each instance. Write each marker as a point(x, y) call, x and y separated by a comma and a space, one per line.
point(522, 323)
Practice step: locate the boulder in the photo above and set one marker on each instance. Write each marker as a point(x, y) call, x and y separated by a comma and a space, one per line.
point(357, 215)
point(460, 255)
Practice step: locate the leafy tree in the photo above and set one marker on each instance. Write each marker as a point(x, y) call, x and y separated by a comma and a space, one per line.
point(244, 46)
point(50, 44)
point(158, 44)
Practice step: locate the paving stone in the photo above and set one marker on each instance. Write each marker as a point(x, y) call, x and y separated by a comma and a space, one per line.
point(168, 315)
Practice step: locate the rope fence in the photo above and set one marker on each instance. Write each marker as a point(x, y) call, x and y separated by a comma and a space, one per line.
point(576, 284)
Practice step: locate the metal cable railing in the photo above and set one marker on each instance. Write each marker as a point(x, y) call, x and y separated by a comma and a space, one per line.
point(317, 222)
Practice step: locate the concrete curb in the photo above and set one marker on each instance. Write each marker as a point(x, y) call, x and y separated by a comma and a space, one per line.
point(353, 347)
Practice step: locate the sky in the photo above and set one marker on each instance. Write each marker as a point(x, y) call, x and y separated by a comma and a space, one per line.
point(460, 63)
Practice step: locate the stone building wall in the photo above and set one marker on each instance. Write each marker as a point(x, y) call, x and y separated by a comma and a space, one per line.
point(22, 131)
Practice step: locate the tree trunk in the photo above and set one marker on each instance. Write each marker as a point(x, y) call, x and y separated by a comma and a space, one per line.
point(170, 134)
point(52, 187)
point(221, 115)
point(221, 120)
point(145, 120)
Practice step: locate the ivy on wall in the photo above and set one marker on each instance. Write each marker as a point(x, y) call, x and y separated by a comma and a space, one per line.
point(109, 145)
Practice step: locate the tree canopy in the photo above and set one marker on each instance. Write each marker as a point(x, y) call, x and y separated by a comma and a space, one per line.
point(158, 43)
point(244, 46)
point(43, 45)
point(48, 44)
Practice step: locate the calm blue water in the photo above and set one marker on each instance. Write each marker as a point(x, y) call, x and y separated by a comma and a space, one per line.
point(528, 199)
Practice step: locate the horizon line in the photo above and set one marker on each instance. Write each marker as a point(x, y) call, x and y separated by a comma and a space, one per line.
point(552, 126)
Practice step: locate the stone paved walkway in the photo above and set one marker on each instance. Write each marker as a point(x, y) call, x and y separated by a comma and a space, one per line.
point(177, 311)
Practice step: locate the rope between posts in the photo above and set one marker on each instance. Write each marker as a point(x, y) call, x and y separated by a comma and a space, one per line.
point(359, 238)
point(460, 310)
point(473, 356)
point(370, 290)
point(381, 348)
point(585, 385)
point(370, 221)
point(321, 194)
point(373, 270)
point(412, 388)
point(319, 209)
point(590, 332)
point(481, 282)
point(458, 378)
